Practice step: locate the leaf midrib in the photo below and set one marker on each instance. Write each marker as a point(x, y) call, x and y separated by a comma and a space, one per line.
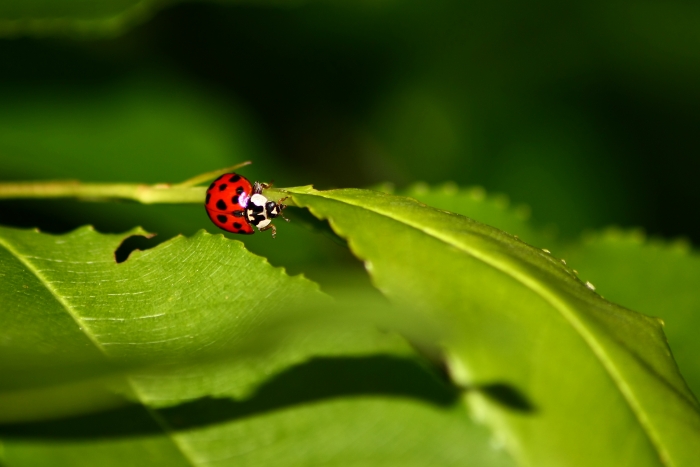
point(89, 334)
point(547, 295)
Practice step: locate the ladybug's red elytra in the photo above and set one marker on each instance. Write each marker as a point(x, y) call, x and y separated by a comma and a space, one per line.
point(234, 205)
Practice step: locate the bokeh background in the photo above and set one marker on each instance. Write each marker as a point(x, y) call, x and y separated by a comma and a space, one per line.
point(589, 112)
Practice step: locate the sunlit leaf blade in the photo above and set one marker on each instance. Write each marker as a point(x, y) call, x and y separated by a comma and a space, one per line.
point(350, 431)
point(653, 277)
point(71, 312)
point(169, 329)
point(582, 381)
point(119, 440)
point(657, 278)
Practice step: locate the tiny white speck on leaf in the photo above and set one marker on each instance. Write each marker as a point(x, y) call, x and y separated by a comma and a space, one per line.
point(563, 261)
point(590, 286)
point(546, 251)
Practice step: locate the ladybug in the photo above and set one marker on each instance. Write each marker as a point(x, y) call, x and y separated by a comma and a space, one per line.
point(234, 205)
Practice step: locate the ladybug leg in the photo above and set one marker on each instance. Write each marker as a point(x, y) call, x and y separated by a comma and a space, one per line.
point(258, 187)
point(270, 226)
point(282, 206)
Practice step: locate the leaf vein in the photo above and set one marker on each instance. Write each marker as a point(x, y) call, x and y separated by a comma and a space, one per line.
point(69, 308)
point(541, 290)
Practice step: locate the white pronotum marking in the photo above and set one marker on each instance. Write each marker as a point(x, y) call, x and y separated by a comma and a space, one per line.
point(258, 200)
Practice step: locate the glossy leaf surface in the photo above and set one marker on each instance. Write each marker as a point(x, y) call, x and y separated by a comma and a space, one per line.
point(580, 380)
point(657, 278)
point(167, 359)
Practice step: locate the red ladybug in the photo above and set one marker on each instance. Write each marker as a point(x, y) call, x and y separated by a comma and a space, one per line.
point(233, 204)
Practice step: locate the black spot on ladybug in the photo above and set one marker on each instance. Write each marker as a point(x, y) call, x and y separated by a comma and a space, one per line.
point(234, 178)
point(255, 208)
point(258, 218)
point(208, 197)
point(234, 200)
point(237, 225)
point(239, 190)
point(213, 184)
point(221, 218)
point(222, 187)
point(221, 205)
point(238, 213)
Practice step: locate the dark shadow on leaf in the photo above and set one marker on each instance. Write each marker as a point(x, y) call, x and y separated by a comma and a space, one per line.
point(304, 218)
point(127, 421)
point(506, 395)
point(315, 381)
point(135, 242)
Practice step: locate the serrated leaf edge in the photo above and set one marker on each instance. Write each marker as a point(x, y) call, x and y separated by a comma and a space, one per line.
point(89, 334)
point(538, 289)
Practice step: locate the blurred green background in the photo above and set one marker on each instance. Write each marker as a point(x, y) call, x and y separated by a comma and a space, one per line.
point(588, 111)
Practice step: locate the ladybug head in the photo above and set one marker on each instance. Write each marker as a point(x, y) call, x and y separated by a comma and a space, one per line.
point(274, 209)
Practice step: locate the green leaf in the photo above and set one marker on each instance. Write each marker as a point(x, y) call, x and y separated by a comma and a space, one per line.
point(474, 202)
point(71, 311)
point(180, 330)
point(562, 376)
point(654, 277)
point(364, 430)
